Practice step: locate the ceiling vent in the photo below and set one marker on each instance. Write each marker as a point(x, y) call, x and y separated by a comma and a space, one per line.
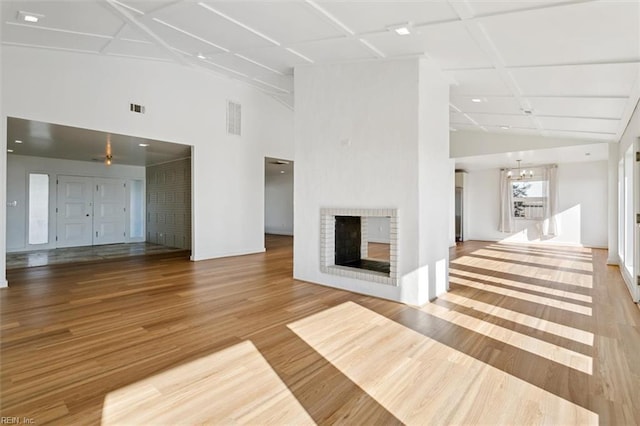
point(234, 118)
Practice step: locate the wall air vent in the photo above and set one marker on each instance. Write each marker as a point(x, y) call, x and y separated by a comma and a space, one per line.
point(136, 108)
point(234, 118)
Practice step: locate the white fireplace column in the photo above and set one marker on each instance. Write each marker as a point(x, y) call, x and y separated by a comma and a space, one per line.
point(370, 135)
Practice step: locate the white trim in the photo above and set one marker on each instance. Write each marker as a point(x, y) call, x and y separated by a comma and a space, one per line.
point(227, 254)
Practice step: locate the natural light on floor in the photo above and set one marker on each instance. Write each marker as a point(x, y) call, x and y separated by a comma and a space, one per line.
point(566, 357)
point(580, 279)
point(572, 253)
point(200, 391)
point(422, 381)
point(579, 297)
point(561, 330)
point(527, 258)
point(558, 304)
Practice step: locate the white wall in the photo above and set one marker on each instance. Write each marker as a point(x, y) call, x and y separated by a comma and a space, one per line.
point(278, 200)
point(18, 168)
point(358, 145)
point(3, 175)
point(582, 189)
point(183, 105)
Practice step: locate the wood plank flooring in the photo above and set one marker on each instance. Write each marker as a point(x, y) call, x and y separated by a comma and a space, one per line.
point(527, 335)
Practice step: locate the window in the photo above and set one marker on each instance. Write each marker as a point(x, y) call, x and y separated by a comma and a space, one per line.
point(529, 198)
point(38, 208)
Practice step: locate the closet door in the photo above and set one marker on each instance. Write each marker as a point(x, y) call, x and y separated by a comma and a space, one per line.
point(74, 211)
point(109, 211)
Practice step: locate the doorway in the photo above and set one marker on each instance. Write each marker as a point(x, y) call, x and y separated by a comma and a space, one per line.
point(90, 211)
point(278, 198)
point(458, 212)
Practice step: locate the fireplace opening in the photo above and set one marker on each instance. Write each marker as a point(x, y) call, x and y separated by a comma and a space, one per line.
point(353, 247)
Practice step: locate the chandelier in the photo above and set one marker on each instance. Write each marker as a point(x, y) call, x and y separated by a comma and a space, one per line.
point(521, 173)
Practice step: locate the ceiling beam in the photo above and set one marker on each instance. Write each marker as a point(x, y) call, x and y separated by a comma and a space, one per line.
point(124, 14)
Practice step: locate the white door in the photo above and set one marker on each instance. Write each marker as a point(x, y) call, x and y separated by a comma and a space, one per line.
point(74, 211)
point(109, 211)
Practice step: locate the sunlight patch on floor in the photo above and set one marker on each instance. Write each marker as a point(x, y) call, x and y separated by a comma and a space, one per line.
point(234, 385)
point(582, 253)
point(525, 286)
point(514, 256)
point(550, 327)
point(505, 267)
point(422, 381)
point(566, 357)
point(501, 291)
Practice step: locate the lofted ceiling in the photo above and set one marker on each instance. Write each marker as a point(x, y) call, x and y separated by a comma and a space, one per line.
point(548, 68)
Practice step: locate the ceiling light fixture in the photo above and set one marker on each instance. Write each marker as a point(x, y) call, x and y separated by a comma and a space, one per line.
point(108, 156)
point(201, 56)
point(401, 29)
point(29, 17)
point(521, 174)
point(18, 141)
point(505, 127)
point(144, 145)
point(9, 150)
point(476, 100)
point(281, 171)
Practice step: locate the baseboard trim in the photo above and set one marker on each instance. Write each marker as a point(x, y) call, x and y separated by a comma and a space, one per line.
point(227, 254)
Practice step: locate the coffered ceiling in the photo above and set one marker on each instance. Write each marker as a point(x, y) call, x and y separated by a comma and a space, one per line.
point(550, 68)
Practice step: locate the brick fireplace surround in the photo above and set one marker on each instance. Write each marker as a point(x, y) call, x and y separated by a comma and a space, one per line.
point(327, 244)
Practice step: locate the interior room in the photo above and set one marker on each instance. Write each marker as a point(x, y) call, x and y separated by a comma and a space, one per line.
point(318, 212)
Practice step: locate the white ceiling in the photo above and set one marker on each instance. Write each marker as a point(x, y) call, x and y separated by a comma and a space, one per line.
point(574, 64)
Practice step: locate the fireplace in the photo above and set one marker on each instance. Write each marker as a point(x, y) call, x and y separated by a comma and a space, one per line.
point(345, 244)
point(348, 245)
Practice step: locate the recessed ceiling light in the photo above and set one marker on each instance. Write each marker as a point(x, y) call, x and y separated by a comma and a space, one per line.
point(29, 17)
point(143, 144)
point(476, 100)
point(9, 150)
point(201, 56)
point(281, 171)
point(401, 29)
point(504, 127)
point(18, 141)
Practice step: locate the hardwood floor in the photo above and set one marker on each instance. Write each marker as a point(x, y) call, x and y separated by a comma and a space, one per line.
point(527, 334)
point(28, 259)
